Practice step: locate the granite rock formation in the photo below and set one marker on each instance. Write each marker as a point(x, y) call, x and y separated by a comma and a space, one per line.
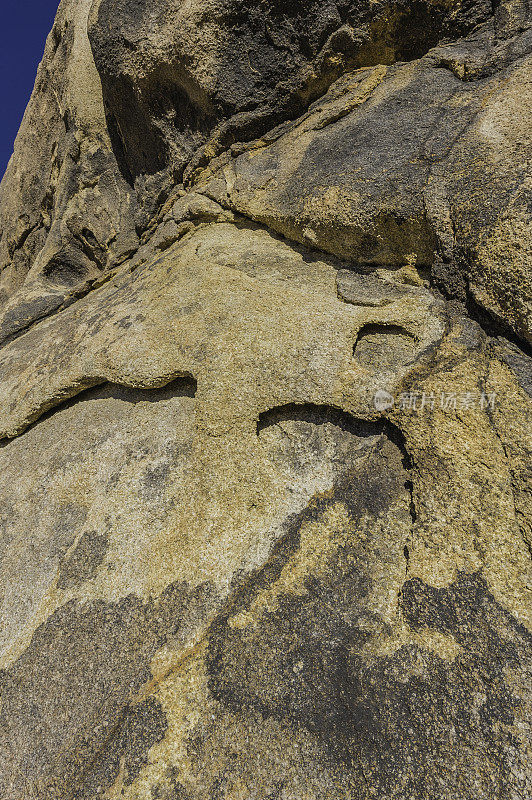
point(265, 397)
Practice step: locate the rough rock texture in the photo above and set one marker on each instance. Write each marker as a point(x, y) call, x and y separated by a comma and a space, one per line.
point(66, 213)
point(265, 396)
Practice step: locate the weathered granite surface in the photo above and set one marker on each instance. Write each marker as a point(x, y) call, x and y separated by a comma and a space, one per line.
point(265, 399)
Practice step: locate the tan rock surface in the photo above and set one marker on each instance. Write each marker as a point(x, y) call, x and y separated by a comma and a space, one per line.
point(265, 516)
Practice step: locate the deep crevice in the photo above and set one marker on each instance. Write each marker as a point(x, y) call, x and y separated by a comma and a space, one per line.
point(413, 513)
point(494, 327)
point(396, 37)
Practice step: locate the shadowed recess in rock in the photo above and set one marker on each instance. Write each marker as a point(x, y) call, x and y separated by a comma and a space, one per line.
point(317, 415)
point(385, 346)
point(103, 390)
point(298, 50)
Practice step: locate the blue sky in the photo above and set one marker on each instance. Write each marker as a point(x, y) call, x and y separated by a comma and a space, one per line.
point(25, 26)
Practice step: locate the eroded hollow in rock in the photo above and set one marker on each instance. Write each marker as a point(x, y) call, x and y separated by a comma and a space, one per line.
point(384, 346)
point(313, 445)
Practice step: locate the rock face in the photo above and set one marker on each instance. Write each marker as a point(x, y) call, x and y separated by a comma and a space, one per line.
point(266, 369)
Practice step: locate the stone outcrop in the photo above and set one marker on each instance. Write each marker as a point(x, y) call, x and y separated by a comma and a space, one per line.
point(265, 381)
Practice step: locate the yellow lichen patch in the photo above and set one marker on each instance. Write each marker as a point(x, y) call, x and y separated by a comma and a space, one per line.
point(319, 540)
point(504, 282)
point(354, 93)
point(467, 523)
point(445, 647)
point(408, 273)
point(324, 206)
point(259, 748)
point(167, 661)
point(184, 698)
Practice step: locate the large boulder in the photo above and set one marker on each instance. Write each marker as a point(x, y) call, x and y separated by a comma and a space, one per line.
point(265, 394)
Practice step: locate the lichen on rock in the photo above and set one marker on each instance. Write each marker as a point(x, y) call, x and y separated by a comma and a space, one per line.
point(265, 395)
